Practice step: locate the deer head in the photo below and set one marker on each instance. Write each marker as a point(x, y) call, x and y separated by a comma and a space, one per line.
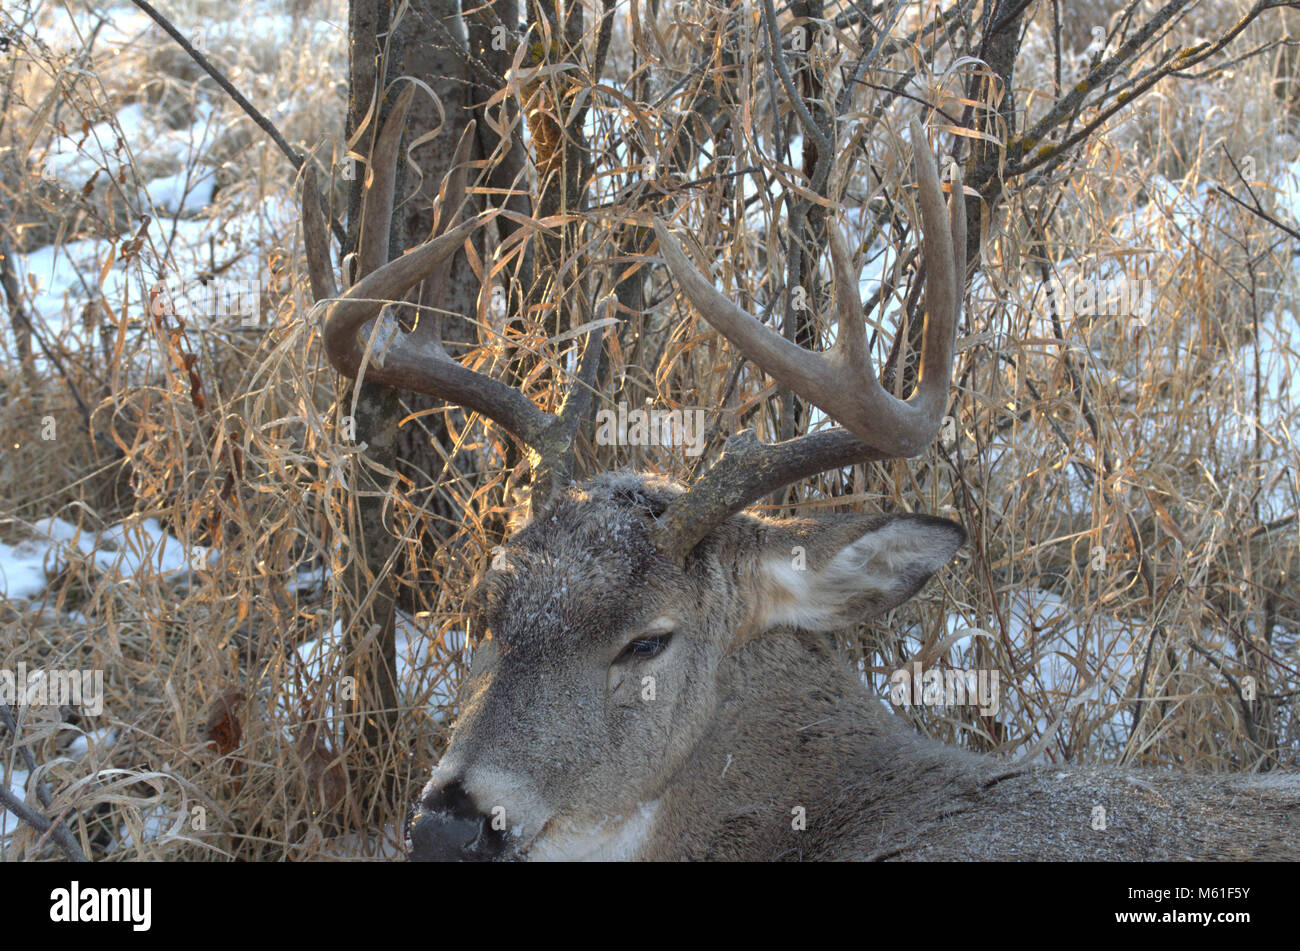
point(636, 631)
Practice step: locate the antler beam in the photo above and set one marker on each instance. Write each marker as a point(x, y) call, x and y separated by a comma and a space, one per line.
point(418, 360)
point(874, 424)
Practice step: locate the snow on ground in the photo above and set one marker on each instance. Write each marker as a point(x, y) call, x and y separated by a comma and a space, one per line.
point(17, 786)
point(176, 181)
point(153, 824)
point(66, 30)
point(185, 237)
point(185, 193)
point(133, 550)
point(418, 661)
point(1287, 194)
point(91, 741)
point(23, 568)
point(379, 844)
point(60, 279)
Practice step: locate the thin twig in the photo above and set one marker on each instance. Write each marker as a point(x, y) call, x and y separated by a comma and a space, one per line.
point(52, 830)
point(777, 54)
point(55, 830)
point(1259, 213)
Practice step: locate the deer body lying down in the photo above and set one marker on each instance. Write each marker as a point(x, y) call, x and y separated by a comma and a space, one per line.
point(621, 707)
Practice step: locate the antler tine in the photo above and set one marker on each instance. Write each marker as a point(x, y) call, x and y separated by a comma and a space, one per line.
point(418, 361)
point(944, 241)
point(377, 203)
point(552, 459)
point(842, 382)
point(320, 271)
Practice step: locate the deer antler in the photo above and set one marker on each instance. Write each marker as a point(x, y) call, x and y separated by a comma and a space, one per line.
point(417, 360)
point(874, 424)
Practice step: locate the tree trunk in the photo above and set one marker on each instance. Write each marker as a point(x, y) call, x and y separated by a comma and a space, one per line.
point(427, 44)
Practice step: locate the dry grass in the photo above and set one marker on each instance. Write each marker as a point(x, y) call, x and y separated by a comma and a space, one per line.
point(1129, 480)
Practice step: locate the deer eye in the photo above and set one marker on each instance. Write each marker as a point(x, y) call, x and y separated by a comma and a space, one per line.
point(643, 648)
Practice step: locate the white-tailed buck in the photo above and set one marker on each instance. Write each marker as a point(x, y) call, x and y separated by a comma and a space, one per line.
point(652, 676)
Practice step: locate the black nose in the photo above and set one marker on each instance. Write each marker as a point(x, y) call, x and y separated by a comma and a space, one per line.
point(447, 826)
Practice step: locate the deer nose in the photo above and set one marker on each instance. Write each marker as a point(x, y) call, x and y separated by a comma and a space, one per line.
point(447, 826)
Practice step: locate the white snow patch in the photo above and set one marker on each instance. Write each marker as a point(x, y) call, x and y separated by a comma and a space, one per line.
point(134, 550)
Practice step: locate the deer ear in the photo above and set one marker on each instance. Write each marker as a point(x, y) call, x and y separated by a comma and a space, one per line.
point(826, 574)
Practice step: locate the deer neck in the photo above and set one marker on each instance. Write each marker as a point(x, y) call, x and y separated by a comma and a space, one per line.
point(794, 727)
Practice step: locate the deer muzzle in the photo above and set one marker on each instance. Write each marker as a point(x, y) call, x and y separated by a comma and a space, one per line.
point(447, 826)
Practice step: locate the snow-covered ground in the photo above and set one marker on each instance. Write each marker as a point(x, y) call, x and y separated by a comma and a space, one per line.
point(140, 160)
point(127, 550)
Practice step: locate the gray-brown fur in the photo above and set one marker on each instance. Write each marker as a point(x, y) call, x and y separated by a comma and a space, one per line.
point(751, 722)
